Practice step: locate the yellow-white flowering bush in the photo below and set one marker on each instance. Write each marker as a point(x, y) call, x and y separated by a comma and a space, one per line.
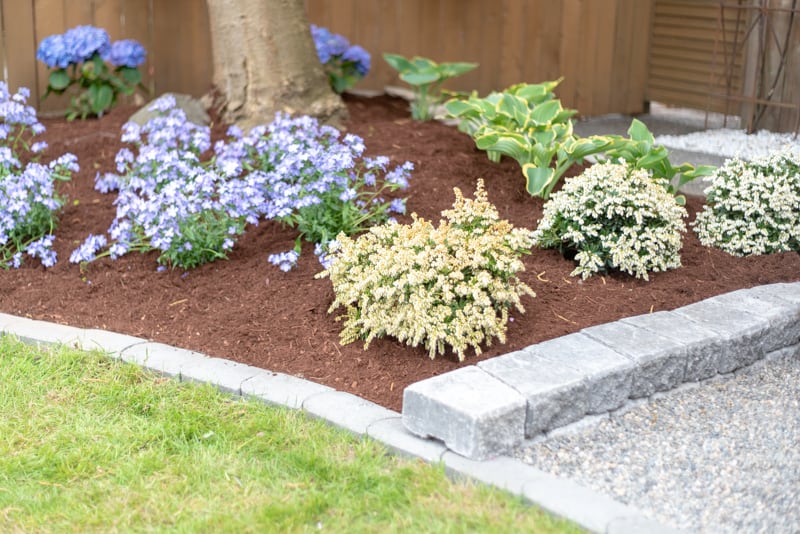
point(614, 217)
point(450, 285)
point(753, 207)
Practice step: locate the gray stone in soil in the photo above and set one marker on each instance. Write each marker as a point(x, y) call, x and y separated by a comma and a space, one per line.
point(608, 374)
point(660, 361)
point(225, 374)
point(703, 346)
point(195, 112)
point(346, 411)
point(281, 389)
point(400, 441)
point(472, 412)
point(555, 394)
point(744, 334)
point(162, 358)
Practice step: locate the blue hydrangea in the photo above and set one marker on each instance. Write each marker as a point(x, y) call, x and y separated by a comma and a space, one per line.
point(344, 64)
point(359, 57)
point(328, 44)
point(83, 42)
point(125, 53)
point(54, 53)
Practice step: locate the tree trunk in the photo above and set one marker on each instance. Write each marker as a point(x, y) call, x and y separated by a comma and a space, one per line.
point(265, 61)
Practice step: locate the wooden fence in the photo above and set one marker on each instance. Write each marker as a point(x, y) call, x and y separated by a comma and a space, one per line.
point(600, 47)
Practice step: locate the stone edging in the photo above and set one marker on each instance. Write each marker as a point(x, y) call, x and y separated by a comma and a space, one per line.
point(484, 410)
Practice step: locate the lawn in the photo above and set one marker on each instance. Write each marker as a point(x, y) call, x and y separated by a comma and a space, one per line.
point(88, 443)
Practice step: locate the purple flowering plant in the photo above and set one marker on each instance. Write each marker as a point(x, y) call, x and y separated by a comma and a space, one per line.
point(315, 180)
point(168, 199)
point(29, 200)
point(294, 171)
point(344, 64)
point(80, 58)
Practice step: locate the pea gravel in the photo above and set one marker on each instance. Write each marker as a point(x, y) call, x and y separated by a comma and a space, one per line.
point(721, 456)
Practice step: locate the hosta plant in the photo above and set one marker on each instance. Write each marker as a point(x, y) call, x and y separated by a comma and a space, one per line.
point(446, 286)
point(753, 207)
point(641, 152)
point(426, 78)
point(29, 199)
point(529, 125)
point(84, 58)
point(345, 64)
point(614, 217)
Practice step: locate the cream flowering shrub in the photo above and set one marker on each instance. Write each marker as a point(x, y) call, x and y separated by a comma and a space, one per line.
point(450, 285)
point(614, 217)
point(753, 207)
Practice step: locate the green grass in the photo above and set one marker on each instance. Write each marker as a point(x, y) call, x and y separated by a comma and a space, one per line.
point(91, 444)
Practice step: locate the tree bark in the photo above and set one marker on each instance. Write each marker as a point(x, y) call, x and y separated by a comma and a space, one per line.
point(265, 61)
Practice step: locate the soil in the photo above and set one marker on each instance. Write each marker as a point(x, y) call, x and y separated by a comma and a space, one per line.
point(247, 310)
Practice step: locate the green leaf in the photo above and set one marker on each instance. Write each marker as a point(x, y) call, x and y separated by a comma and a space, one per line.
point(130, 75)
point(100, 97)
point(651, 159)
point(545, 112)
point(58, 80)
point(537, 178)
point(398, 62)
point(511, 145)
point(513, 107)
point(456, 108)
point(638, 132)
point(580, 148)
point(419, 78)
point(450, 70)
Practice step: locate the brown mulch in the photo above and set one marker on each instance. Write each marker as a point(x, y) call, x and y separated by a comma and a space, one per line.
point(247, 310)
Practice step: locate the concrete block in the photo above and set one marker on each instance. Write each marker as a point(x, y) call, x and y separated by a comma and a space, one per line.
point(162, 358)
point(659, 361)
point(608, 374)
point(703, 347)
point(743, 334)
point(503, 472)
point(555, 394)
point(783, 316)
point(784, 354)
point(789, 292)
point(473, 413)
point(109, 342)
point(41, 332)
point(590, 509)
point(281, 389)
point(346, 411)
point(225, 374)
point(400, 441)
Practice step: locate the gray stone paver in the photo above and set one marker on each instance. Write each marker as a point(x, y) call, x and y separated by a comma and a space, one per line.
point(346, 410)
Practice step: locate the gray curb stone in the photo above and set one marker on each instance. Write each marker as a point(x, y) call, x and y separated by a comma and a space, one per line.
point(472, 412)
point(602, 368)
point(281, 390)
point(402, 442)
point(225, 374)
point(346, 410)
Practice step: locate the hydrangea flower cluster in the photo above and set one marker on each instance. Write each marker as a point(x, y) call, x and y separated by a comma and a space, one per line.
point(168, 199)
point(753, 207)
point(29, 200)
point(311, 179)
point(294, 171)
point(614, 217)
point(450, 285)
point(344, 64)
point(85, 51)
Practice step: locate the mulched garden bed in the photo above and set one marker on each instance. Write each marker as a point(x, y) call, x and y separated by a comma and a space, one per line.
point(247, 310)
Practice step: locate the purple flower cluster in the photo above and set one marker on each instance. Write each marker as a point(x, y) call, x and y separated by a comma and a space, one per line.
point(28, 197)
point(344, 64)
point(74, 46)
point(81, 43)
point(125, 53)
point(294, 170)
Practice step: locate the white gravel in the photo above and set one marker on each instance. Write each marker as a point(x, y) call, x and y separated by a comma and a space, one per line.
point(730, 143)
point(722, 456)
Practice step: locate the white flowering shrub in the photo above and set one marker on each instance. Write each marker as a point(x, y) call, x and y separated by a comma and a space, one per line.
point(450, 285)
point(614, 217)
point(753, 207)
